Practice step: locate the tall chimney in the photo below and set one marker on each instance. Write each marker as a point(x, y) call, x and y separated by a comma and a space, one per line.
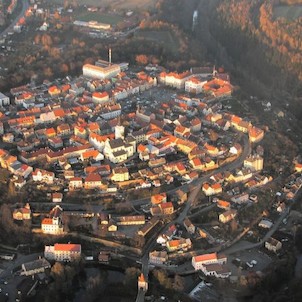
point(109, 56)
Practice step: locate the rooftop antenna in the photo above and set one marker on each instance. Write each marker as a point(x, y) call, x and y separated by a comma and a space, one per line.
point(109, 56)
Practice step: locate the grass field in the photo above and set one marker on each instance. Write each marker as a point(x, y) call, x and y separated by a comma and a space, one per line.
point(117, 4)
point(163, 37)
point(289, 12)
point(102, 18)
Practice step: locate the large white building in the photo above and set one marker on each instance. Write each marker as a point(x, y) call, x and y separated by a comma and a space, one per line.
point(4, 100)
point(213, 258)
point(101, 70)
point(62, 252)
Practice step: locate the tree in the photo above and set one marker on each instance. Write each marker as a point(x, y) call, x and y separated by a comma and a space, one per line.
point(141, 59)
point(179, 283)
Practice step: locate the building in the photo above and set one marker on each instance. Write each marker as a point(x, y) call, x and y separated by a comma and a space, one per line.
point(227, 216)
point(120, 174)
point(22, 213)
point(205, 259)
point(52, 226)
point(35, 267)
point(255, 134)
point(142, 283)
point(190, 227)
point(43, 176)
point(254, 162)
point(57, 197)
point(63, 252)
point(179, 244)
point(129, 220)
point(266, 224)
point(4, 100)
point(273, 244)
point(101, 70)
point(216, 270)
point(158, 257)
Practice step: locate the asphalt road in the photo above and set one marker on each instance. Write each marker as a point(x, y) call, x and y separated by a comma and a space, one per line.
point(10, 28)
point(196, 187)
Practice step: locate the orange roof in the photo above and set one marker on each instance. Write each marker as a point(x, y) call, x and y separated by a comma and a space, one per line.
point(216, 186)
point(47, 221)
point(53, 89)
point(50, 131)
point(254, 131)
point(100, 95)
point(205, 186)
point(141, 278)
point(59, 112)
point(93, 177)
point(158, 198)
point(166, 205)
point(223, 204)
point(205, 257)
point(69, 247)
point(173, 243)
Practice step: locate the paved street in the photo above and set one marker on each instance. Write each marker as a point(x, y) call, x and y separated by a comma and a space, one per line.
point(10, 28)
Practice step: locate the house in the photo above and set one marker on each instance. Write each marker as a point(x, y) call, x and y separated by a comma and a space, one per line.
point(129, 220)
point(142, 284)
point(254, 162)
point(227, 216)
point(148, 226)
point(120, 174)
point(62, 252)
point(179, 196)
point(93, 181)
point(222, 204)
point(43, 176)
point(57, 197)
point(241, 198)
point(166, 208)
point(298, 167)
point(158, 198)
point(273, 244)
point(52, 226)
point(104, 257)
point(266, 224)
point(35, 267)
point(211, 189)
point(255, 134)
point(216, 270)
point(179, 244)
point(22, 213)
point(4, 100)
point(158, 257)
point(75, 183)
point(189, 226)
point(205, 259)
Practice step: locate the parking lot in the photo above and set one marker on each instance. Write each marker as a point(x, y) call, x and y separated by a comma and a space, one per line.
point(262, 261)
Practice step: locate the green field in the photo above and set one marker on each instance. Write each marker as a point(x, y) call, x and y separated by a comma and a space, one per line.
point(117, 4)
point(289, 12)
point(102, 18)
point(164, 37)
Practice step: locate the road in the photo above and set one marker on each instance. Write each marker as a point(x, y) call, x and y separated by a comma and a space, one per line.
point(10, 28)
point(6, 274)
point(196, 187)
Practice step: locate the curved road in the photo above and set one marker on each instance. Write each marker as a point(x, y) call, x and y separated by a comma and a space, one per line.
point(25, 6)
point(196, 184)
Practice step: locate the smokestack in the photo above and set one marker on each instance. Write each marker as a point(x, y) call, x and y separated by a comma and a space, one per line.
point(109, 56)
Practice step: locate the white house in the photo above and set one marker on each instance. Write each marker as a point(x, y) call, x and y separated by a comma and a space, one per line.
point(4, 100)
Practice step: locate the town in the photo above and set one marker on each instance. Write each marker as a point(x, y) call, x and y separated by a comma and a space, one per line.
point(155, 176)
point(169, 173)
